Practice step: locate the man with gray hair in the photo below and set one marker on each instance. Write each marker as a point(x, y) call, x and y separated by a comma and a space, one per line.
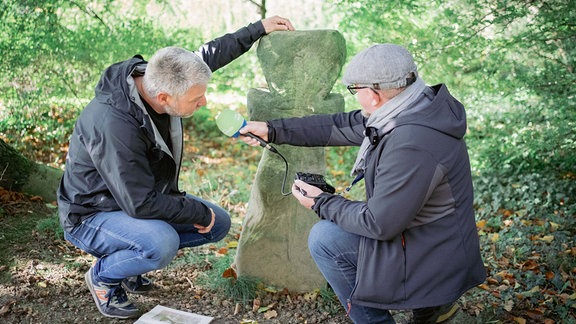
point(119, 199)
point(412, 244)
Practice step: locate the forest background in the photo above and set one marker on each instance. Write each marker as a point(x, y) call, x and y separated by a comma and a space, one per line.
point(511, 63)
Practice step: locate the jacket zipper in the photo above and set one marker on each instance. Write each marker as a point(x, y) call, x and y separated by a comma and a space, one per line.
point(403, 242)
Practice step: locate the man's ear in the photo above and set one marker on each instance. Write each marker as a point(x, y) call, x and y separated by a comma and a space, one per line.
point(162, 98)
point(376, 99)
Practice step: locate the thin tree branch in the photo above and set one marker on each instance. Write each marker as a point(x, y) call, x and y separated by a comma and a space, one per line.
point(91, 12)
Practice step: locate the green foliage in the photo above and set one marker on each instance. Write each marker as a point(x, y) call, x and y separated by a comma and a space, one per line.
point(242, 289)
point(51, 227)
point(524, 140)
point(15, 169)
point(330, 302)
point(528, 196)
point(55, 51)
point(510, 62)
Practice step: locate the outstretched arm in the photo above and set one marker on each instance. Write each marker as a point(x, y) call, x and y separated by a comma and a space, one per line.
point(223, 50)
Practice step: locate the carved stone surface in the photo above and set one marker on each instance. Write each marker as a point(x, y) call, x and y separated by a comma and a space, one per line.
point(300, 69)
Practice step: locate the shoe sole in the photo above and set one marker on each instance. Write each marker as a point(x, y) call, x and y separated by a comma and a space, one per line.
point(88, 279)
point(450, 313)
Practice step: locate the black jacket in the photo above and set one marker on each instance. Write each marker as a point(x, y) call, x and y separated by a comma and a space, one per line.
point(116, 161)
point(419, 245)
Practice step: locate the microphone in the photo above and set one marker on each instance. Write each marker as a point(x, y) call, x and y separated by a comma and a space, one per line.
point(230, 122)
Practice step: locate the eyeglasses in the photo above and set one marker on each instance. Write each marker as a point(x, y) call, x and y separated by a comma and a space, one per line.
point(354, 88)
point(375, 86)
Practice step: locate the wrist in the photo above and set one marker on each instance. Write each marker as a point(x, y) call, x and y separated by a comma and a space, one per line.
point(271, 132)
point(259, 26)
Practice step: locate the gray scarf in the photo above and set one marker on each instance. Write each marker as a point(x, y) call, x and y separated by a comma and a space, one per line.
point(384, 115)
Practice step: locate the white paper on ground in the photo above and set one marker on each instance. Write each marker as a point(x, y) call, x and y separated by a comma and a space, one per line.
point(163, 315)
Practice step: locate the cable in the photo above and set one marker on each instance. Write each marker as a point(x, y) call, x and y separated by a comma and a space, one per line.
point(271, 148)
point(285, 175)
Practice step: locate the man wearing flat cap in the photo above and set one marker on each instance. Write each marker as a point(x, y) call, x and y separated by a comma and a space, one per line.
point(412, 244)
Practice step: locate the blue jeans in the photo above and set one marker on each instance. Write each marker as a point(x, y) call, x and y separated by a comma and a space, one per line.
point(126, 246)
point(335, 252)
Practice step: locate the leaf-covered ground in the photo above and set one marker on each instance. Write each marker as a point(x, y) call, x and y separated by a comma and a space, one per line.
point(42, 281)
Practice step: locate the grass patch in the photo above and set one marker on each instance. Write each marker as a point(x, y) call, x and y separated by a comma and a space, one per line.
point(16, 231)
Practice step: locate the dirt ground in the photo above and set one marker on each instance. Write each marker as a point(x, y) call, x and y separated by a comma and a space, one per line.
point(42, 281)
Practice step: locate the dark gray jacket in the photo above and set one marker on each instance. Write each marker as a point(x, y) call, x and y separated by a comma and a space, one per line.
point(419, 245)
point(116, 161)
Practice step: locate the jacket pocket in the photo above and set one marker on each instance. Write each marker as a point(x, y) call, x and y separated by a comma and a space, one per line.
point(381, 276)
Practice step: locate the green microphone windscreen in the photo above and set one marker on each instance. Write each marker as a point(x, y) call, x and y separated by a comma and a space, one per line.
point(229, 122)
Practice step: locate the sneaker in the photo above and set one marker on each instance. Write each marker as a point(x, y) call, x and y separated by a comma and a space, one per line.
point(432, 315)
point(111, 299)
point(137, 285)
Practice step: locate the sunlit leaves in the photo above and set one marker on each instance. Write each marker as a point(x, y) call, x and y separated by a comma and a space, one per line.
point(52, 55)
point(527, 227)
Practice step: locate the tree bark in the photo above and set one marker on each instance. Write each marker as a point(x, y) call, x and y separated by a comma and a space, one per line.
point(17, 173)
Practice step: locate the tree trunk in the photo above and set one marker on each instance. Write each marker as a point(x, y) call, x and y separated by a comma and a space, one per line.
point(17, 173)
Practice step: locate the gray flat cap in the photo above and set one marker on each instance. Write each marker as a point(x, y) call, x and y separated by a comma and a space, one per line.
point(388, 65)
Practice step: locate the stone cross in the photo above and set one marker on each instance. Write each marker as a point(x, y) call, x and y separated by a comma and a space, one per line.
point(300, 69)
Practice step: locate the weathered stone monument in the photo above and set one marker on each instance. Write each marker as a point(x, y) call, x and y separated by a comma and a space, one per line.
point(300, 69)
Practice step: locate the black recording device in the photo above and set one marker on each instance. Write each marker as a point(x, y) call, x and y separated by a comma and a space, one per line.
point(316, 180)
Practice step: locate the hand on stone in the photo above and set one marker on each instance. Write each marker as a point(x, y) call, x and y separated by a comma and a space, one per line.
point(305, 193)
point(259, 129)
point(276, 23)
point(206, 229)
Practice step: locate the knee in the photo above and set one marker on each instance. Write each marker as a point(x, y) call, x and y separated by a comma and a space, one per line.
point(320, 237)
point(162, 248)
point(221, 227)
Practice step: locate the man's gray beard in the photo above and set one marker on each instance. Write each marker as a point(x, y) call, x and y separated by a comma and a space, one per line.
point(365, 113)
point(172, 112)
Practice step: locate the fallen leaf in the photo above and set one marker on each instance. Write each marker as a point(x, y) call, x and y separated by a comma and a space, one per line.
point(230, 273)
point(529, 265)
point(554, 226)
point(481, 224)
point(270, 290)
point(547, 238)
point(509, 305)
point(311, 296)
point(535, 314)
point(484, 286)
point(270, 314)
point(494, 237)
point(5, 309)
point(256, 305)
point(237, 309)
point(549, 321)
